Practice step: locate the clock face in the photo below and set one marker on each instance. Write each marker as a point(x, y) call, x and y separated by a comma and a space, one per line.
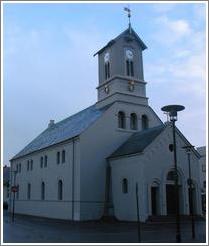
point(107, 57)
point(129, 54)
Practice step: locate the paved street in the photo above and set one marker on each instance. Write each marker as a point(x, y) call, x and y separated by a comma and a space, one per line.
point(38, 230)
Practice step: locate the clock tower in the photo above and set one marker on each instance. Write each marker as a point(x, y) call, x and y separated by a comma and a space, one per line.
point(121, 75)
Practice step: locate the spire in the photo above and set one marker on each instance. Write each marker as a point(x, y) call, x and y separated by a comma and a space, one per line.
point(128, 10)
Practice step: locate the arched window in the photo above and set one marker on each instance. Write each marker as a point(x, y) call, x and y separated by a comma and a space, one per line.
point(63, 156)
point(60, 190)
point(121, 120)
point(42, 191)
point(58, 157)
point(29, 191)
point(133, 121)
point(125, 186)
point(171, 176)
point(145, 124)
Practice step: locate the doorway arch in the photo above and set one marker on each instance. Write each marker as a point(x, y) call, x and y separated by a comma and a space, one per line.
point(155, 198)
point(171, 192)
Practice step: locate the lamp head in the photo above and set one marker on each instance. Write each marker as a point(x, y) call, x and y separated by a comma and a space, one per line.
point(172, 110)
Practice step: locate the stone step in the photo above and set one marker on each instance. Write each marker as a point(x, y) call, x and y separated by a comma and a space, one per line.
point(172, 218)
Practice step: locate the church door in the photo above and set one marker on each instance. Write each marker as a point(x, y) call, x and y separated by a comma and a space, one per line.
point(154, 196)
point(192, 201)
point(170, 197)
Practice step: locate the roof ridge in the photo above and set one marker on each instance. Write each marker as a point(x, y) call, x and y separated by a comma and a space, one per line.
point(73, 115)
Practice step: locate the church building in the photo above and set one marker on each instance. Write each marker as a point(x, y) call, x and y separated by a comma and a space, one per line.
point(87, 165)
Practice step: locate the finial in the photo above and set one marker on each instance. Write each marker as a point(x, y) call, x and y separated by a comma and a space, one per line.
point(128, 10)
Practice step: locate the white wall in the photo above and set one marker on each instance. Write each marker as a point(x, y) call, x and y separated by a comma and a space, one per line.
point(152, 165)
point(51, 206)
point(97, 143)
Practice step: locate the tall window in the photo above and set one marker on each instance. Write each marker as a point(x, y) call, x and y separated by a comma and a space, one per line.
point(107, 65)
point(133, 121)
point(29, 191)
point(28, 165)
point(129, 68)
point(125, 186)
point(45, 161)
point(129, 63)
point(20, 167)
point(121, 120)
point(58, 157)
point(107, 70)
point(60, 190)
point(42, 191)
point(31, 164)
point(63, 156)
point(41, 162)
point(145, 124)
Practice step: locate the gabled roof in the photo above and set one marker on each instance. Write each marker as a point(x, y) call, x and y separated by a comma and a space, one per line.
point(138, 141)
point(63, 130)
point(126, 34)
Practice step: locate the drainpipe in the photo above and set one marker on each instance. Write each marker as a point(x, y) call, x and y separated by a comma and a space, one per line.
point(107, 189)
point(73, 178)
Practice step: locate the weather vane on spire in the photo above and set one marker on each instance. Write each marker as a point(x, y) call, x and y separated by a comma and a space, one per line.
point(128, 10)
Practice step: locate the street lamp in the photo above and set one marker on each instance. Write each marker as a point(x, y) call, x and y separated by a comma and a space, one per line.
point(188, 150)
point(172, 112)
point(14, 190)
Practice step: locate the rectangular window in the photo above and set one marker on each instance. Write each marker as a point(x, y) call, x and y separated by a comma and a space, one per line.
point(29, 192)
point(20, 167)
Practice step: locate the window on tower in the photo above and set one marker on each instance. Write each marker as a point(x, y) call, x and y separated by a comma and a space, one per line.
point(107, 65)
point(129, 63)
point(133, 121)
point(121, 120)
point(145, 123)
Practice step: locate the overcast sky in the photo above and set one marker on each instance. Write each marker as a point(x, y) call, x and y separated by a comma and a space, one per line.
point(50, 71)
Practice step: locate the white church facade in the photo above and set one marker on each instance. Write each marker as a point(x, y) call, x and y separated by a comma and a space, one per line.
point(87, 165)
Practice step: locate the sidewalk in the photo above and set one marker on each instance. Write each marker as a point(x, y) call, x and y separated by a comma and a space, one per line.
point(26, 229)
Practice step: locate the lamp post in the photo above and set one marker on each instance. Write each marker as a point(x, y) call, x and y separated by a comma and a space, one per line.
point(14, 190)
point(172, 112)
point(188, 150)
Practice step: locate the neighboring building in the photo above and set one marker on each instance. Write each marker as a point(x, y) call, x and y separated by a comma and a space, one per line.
point(88, 164)
point(6, 175)
point(202, 164)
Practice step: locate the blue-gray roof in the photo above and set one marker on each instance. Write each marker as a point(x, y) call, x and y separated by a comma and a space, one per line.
point(138, 141)
point(63, 130)
point(124, 33)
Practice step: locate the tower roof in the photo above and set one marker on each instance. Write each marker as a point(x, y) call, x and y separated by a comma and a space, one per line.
point(129, 34)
